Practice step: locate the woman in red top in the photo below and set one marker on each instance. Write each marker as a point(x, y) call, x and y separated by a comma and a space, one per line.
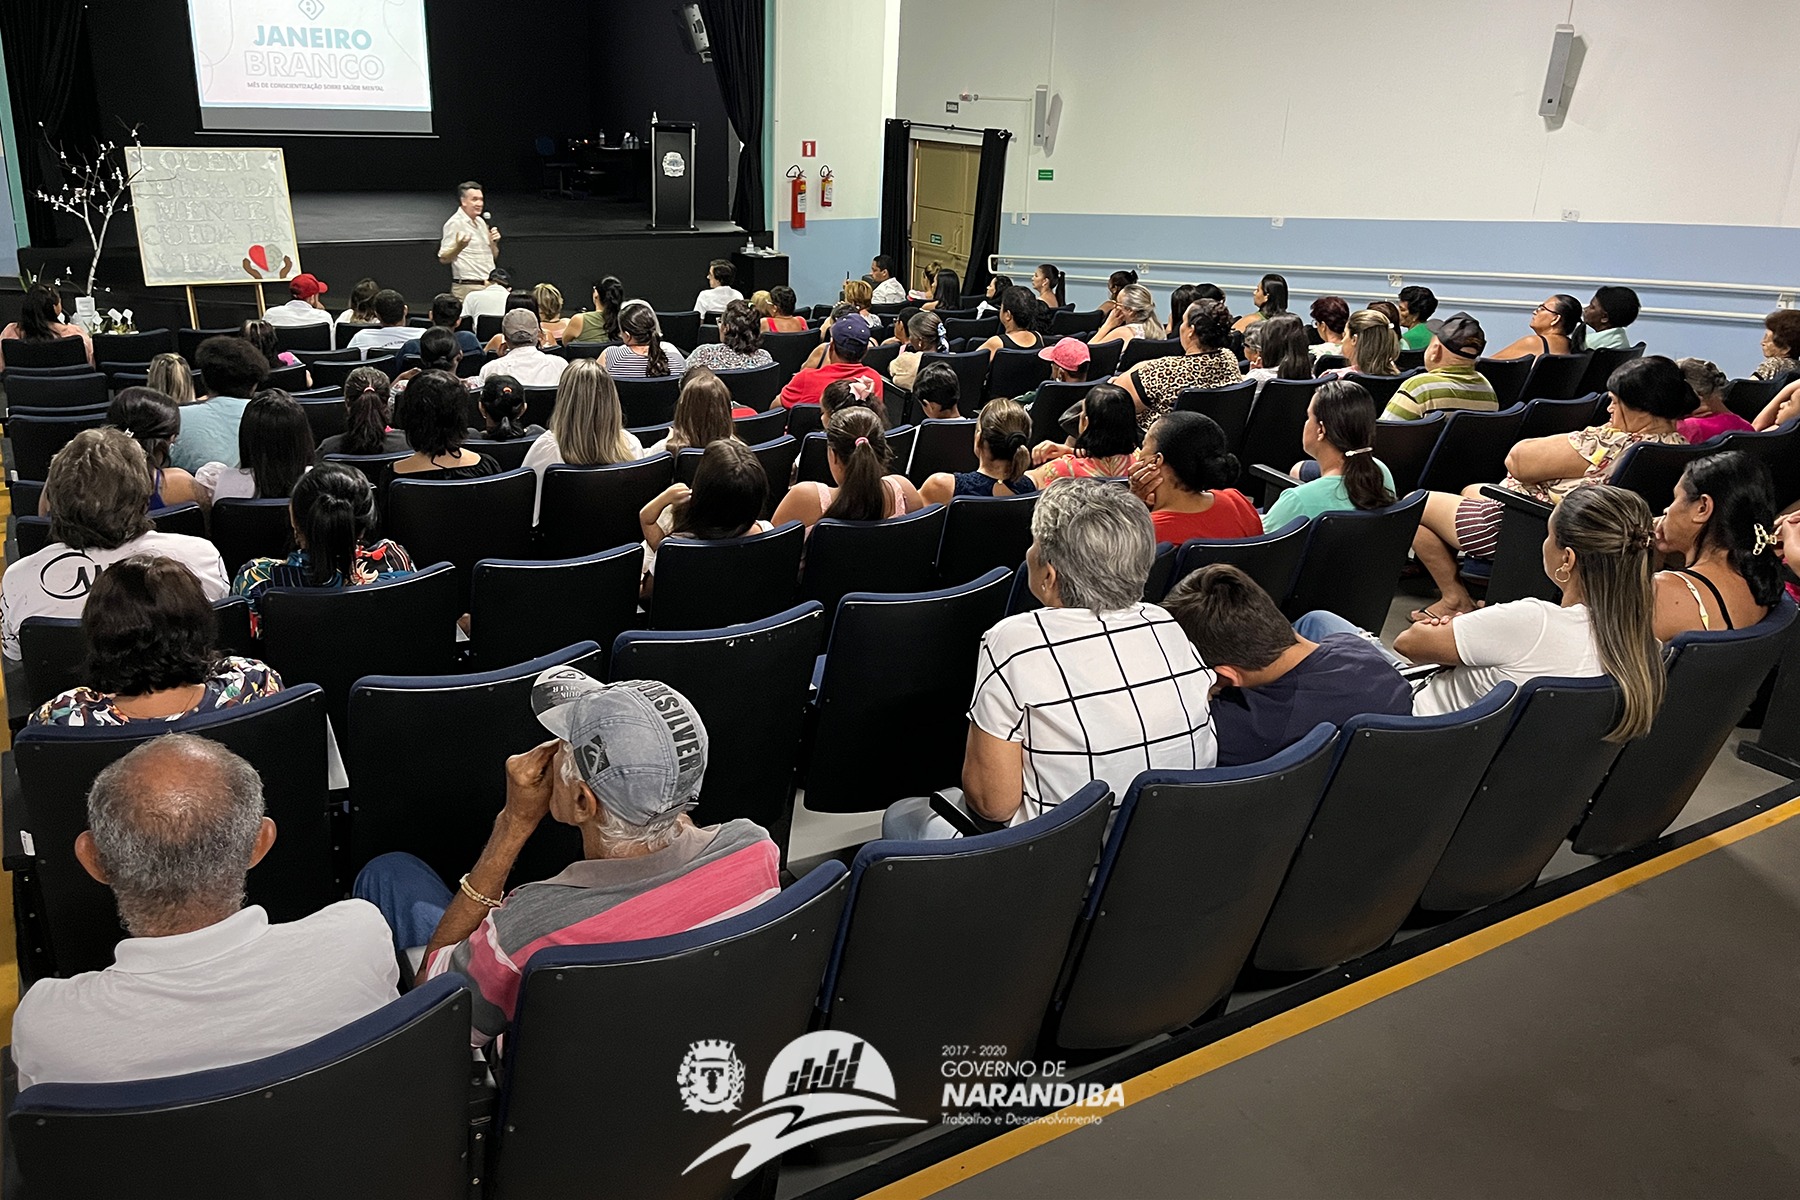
point(1182, 473)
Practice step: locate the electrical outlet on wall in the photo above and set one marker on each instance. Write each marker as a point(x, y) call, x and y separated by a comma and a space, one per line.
point(1395, 281)
point(1024, 218)
point(1277, 222)
point(1571, 214)
point(1787, 300)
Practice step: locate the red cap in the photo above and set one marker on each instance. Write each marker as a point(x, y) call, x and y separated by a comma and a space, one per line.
point(305, 287)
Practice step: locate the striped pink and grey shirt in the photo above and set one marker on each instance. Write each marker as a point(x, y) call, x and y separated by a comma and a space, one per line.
point(705, 875)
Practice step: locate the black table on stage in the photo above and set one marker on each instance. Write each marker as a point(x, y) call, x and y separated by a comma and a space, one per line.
point(758, 272)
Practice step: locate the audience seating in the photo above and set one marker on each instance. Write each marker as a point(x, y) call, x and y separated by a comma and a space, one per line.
point(247, 529)
point(51, 352)
point(1105, 360)
point(754, 387)
point(1326, 363)
point(1472, 449)
point(777, 458)
point(680, 328)
point(1052, 401)
point(649, 401)
point(586, 509)
point(1517, 569)
point(138, 347)
point(1651, 469)
point(33, 533)
point(343, 354)
point(1272, 434)
point(1162, 573)
point(524, 608)
point(394, 1086)
point(333, 373)
point(982, 533)
point(970, 329)
point(1545, 417)
point(803, 419)
point(892, 661)
point(649, 435)
point(749, 684)
point(282, 736)
point(540, 403)
point(1272, 560)
point(36, 439)
point(1187, 879)
point(1533, 792)
point(1410, 360)
point(750, 980)
point(1139, 350)
point(942, 445)
point(1064, 323)
point(1381, 388)
point(1748, 397)
point(1712, 679)
point(403, 626)
point(789, 350)
point(295, 338)
point(1353, 559)
point(892, 556)
point(328, 417)
point(510, 454)
point(922, 960)
point(378, 469)
point(462, 521)
point(56, 391)
point(1398, 787)
point(709, 333)
point(1777, 747)
point(881, 358)
point(53, 652)
point(445, 815)
point(1015, 372)
point(1508, 377)
point(1229, 406)
point(704, 585)
point(1404, 447)
point(1779, 450)
point(487, 327)
point(1605, 361)
point(288, 379)
point(971, 367)
point(1557, 376)
point(763, 426)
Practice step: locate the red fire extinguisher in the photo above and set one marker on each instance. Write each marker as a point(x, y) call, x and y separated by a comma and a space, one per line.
point(797, 205)
point(824, 187)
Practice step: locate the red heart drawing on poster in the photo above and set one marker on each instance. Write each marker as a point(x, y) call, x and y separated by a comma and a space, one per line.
point(260, 256)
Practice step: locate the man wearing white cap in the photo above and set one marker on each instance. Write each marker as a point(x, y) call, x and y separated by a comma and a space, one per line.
point(626, 765)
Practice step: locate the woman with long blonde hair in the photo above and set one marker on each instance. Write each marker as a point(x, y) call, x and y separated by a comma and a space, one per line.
point(549, 301)
point(1371, 343)
point(170, 375)
point(588, 427)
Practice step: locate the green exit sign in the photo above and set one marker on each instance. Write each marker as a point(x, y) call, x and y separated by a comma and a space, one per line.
point(1046, 174)
point(937, 239)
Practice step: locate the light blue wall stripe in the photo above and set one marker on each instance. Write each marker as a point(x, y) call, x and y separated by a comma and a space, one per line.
point(820, 255)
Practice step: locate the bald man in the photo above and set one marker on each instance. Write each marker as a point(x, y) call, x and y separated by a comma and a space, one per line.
point(203, 981)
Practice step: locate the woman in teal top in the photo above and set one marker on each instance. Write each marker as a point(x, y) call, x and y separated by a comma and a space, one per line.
point(1339, 433)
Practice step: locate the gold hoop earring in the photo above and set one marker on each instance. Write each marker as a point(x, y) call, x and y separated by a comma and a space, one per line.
point(1561, 574)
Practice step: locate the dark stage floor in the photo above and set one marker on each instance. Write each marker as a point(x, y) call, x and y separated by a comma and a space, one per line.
point(335, 217)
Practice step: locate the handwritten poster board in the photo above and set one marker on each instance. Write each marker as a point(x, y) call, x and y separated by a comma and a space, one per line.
point(212, 215)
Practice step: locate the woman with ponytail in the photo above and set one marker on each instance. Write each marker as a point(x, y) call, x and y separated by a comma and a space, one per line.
point(366, 416)
point(1271, 300)
point(644, 354)
point(503, 409)
point(857, 452)
point(1183, 474)
point(333, 515)
point(1721, 524)
point(1002, 456)
point(1371, 343)
point(1049, 286)
point(438, 351)
point(1339, 435)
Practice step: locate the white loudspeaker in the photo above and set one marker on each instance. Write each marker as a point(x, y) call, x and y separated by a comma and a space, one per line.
point(1558, 74)
point(1040, 114)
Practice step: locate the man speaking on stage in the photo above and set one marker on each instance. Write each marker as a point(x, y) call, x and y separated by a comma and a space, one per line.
point(469, 244)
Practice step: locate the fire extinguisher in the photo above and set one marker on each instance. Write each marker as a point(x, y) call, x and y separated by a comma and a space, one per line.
point(824, 187)
point(797, 205)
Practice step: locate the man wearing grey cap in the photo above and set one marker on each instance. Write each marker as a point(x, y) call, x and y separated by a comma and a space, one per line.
point(625, 766)
point(523, 360)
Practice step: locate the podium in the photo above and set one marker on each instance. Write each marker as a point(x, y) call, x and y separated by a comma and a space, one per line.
point(672, 175)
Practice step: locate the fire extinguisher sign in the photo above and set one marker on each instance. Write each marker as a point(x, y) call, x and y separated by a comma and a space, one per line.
point(809, 149)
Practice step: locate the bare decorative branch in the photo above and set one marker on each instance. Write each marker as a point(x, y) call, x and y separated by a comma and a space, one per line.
point(95, 188)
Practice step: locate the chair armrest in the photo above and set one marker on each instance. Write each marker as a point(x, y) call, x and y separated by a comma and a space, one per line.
point(1516, 501)
point(1279, 480)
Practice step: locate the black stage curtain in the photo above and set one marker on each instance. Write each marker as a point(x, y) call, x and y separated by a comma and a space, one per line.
point(735, 29)
point(896, 196)
point(51, 76)
point(984, 238)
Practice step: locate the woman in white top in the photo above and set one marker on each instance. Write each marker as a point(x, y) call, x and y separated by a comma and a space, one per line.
point(1133, 315)
point(1599, 553)
point(730, 488)
point(588, 427)
point(643, 354)
point(362, 305)
point(275, 446)
point(858, 454)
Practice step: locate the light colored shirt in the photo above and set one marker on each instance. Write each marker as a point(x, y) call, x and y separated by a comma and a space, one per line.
point(1451, 386)
point(1608, 339)
point(382, 337)
point(477, 258)
point(622, 362)
point(714, 300)
point(1518, 640)
point(55, 581)
point(209, 433)
point(298, 312)
point(233, 992)
point(1093, 696)
point(1315, 498)
point(226, 483)
point(889, 291)
point(529, 365)
point(489, 301)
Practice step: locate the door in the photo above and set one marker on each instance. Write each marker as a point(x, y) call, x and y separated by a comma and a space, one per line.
point(943, 207)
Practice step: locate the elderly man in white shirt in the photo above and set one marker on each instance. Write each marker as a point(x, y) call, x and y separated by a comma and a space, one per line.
point(523, 360)
point(469, 244)
point(888, 290)
point(304, 308)
point(202, 982)
point(719, 292)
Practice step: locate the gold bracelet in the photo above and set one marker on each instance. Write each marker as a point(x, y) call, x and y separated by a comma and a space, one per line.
point(477, 897)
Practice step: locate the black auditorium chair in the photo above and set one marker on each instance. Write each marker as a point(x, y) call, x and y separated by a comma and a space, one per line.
point(908, 971)
point(649, 435)
point(973, 330)
point(1054, 399)
point(777, 457)
point(1187, 879)
point(763, 667)
point(1064, 323)
point(1139, 350)
point(524, 608)
point(52, 352)
point(333, 373)
point(378, 469)
point(1517, 568)
point(1410, 360)
point(947, 445)
point(1507, 377)
point(133, 347)
point(327, 416)
point(1404, 447)
point(703, 585)
point(1272, 435)
point(1605, 361)
point(1353, 561)
point(881, 358)
point(1015, 372)
point(789, 350)
point(1545, 417)
point(247, 529)
point(1162, 573)
point(1472, 449)
point(754, 387)
point(588, 509)
point(749, 981)
point(1398, 787)
point(907, 659)
point(763, 427)
point(540, 403)
point(335, 636)
point(445, 817)
point(971, 367)
point(1651, 469)
point(462, 521)
point(1712, 679)
point(981, 533)
point(393, 1087)
point(1779, 450)
point(680, 328)
point(288, 379)
point(55, 391)
point(36, 439)
point(312, 356)
point(1105, 359)
point(1228, 406)
point(803, 419)
point(649, 401)
point(1748, 397)
point(295, 338)
point(1534, 791)
point(510, 454)
point(895, 555)
point(1381, 388)
point(1557, 376)
point(1271, 559)
point(282, 736)
point(487, 327)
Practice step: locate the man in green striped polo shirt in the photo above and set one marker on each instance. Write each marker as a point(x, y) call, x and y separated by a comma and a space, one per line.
point(1450, 379)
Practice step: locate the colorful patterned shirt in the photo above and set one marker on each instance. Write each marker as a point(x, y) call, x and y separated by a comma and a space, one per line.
point(382, 560)
point(234, 681)
point(1602, 446)
point(1160, 380)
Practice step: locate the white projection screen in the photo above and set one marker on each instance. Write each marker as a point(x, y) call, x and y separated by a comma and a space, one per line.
point(312, 66)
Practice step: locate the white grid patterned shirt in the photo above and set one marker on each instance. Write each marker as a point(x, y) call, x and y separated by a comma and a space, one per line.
point(1093, 696)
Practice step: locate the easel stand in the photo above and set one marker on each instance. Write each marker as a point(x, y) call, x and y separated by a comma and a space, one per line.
point(194, 308)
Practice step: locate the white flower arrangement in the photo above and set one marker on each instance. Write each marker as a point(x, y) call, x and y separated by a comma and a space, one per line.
point(95, 188)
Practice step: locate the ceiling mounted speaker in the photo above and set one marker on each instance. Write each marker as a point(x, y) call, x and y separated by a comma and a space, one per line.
point(1558, 76)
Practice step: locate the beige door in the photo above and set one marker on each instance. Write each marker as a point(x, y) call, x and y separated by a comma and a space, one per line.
point(943, 209)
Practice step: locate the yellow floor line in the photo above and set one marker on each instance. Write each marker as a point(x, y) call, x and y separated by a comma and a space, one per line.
point(1313, 1014)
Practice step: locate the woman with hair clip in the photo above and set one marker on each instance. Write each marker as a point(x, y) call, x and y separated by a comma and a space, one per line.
point(1721, 524)
point(1133, 315)
point(1106, 438)
point(600, 323)
point(367, 411)
point(154, 422)
point(1018, 319)
point(503, 408)
point(41, 320)
point(153, 652)
point(1115, 283)
point(1339, 437)
point(1371, 343)
point(171, 375)
point(726, 501)
point(703, 414)
point(644, 354)
point(1281, 344)
point(1183, 474)
point(1002, 458)
point(1556, 328)
point(587, 427)
point(333, 515)
point(924, 335)
point(438, 351)
point(275, 446)
point(1271, 300)
point(857, 452)
point(740, 344)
